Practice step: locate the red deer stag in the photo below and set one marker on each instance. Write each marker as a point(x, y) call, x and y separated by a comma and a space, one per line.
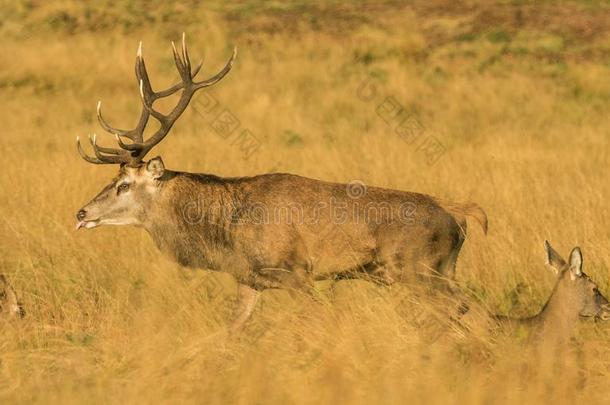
point(272, 230)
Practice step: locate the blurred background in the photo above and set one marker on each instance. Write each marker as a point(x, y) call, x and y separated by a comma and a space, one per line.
point(504, 103)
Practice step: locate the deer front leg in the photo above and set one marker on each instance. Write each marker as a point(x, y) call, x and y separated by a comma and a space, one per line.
point(246, 301)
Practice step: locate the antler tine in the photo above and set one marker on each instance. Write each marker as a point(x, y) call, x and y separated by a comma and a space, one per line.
point(142, 75)
point(185, 55)
point(99, 158)
point(147, 106)
point(185, 74)
point(113, 155)
point(103, 149)
point(84, 155)
point(190, 87)
point(126, 146)
point(178, 86)
point(218, 76)
point(132, 153)
point(106, 126)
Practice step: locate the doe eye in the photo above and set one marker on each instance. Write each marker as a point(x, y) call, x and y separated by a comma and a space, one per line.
point(123, 187)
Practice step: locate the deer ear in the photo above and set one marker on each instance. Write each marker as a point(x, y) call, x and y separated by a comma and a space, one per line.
point(155, 167)
point(553, 259)
point(576, 262)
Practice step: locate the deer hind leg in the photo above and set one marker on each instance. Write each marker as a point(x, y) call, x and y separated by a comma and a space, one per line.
point(439, 263)
point(246, 302)
point(435, 272)
point(449, 284)
point(448, 265)
point(448, 270)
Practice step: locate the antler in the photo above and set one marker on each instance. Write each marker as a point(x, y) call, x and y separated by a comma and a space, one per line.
point(133, 152)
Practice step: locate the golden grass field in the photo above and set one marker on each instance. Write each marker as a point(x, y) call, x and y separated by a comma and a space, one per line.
point(517, 93)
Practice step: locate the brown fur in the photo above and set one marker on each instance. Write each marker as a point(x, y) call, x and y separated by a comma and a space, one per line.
point(272, 230)
point(233, 237)
point(575, 296)
point(282, 230)
point(286, 231)
point(10, 307)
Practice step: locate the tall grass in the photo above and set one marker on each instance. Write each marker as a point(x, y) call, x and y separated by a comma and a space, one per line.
point(521, 107)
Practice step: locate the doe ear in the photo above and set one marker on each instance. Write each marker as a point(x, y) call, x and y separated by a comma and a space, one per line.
point(155, 167)
point(553, 259)
point(576, 262)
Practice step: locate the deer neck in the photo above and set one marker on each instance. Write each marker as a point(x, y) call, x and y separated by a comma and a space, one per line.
point(190, 219)
point(558, 315)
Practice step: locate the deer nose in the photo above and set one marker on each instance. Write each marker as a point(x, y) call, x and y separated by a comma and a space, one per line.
point(80, 215)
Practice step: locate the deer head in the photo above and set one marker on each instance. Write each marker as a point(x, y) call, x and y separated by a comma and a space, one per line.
point(126, 200)
point(575, 291)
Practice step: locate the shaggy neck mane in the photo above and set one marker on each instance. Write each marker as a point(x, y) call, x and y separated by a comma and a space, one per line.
point(191, 219)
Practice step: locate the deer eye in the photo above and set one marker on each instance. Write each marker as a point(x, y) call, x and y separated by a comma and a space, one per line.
point(122, 188)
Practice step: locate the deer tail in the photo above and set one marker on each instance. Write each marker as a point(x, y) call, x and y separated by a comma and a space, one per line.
point(468, 209)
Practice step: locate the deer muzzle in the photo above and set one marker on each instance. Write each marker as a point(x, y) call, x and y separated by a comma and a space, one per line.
point(83, 222)
point(604, 313)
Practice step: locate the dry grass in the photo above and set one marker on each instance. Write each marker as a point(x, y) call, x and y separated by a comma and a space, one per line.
point(520, 104)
